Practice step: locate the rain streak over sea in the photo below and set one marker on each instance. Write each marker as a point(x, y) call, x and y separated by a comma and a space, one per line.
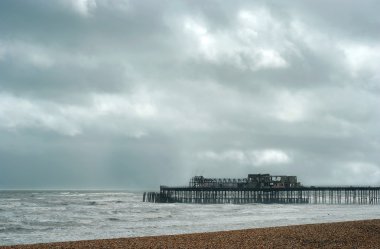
point(36, 217)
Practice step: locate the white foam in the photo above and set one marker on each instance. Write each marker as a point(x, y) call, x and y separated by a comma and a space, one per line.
point(57, 216)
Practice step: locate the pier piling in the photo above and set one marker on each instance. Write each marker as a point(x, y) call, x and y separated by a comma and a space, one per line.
point(312, 195)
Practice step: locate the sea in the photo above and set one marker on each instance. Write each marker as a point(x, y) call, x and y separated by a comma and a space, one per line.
point(28, 217)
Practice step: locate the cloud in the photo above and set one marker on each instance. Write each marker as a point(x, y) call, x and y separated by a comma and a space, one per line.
point(358, 173)
point(362, 60)
point(20, 113)
point(252, 157)
point(245, 46)
point(159, 91)
point(16, 113)
point(83, 7)
point(25, 53)
point(292, 107)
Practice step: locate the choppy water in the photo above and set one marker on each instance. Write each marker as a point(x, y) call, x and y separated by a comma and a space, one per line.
point(34, 217)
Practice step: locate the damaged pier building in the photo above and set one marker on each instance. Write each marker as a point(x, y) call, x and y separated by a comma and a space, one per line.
point(261, 188)
point(252, 181)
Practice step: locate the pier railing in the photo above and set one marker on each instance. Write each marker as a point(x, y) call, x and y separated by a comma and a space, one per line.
point(311, 195)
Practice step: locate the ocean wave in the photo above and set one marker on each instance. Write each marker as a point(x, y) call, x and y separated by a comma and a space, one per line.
point(113, 219)
point(14, 229)
point(70, 217)
point(92, 203)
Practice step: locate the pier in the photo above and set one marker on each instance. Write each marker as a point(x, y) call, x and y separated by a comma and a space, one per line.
point(261, 189)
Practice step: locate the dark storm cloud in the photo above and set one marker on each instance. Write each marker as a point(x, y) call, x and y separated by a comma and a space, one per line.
point(109, 94)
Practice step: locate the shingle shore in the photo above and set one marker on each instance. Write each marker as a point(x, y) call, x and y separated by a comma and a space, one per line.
point(352, 234)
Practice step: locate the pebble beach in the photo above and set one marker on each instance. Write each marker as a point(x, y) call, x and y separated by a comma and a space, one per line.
point(352, 234)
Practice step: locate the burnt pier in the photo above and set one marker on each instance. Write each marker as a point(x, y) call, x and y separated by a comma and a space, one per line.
point(261, 188)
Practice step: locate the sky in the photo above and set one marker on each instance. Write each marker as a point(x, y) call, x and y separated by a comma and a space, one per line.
point(103, 94)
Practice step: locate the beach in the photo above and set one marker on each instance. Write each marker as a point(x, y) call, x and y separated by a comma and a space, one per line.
point(351, 234)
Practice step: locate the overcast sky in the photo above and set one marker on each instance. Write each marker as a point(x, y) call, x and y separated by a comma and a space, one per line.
point(134, 94)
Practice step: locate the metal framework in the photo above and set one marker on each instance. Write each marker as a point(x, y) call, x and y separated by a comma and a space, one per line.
point(240, 191)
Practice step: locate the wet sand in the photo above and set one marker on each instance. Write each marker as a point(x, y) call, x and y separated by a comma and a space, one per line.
point(352, 234)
